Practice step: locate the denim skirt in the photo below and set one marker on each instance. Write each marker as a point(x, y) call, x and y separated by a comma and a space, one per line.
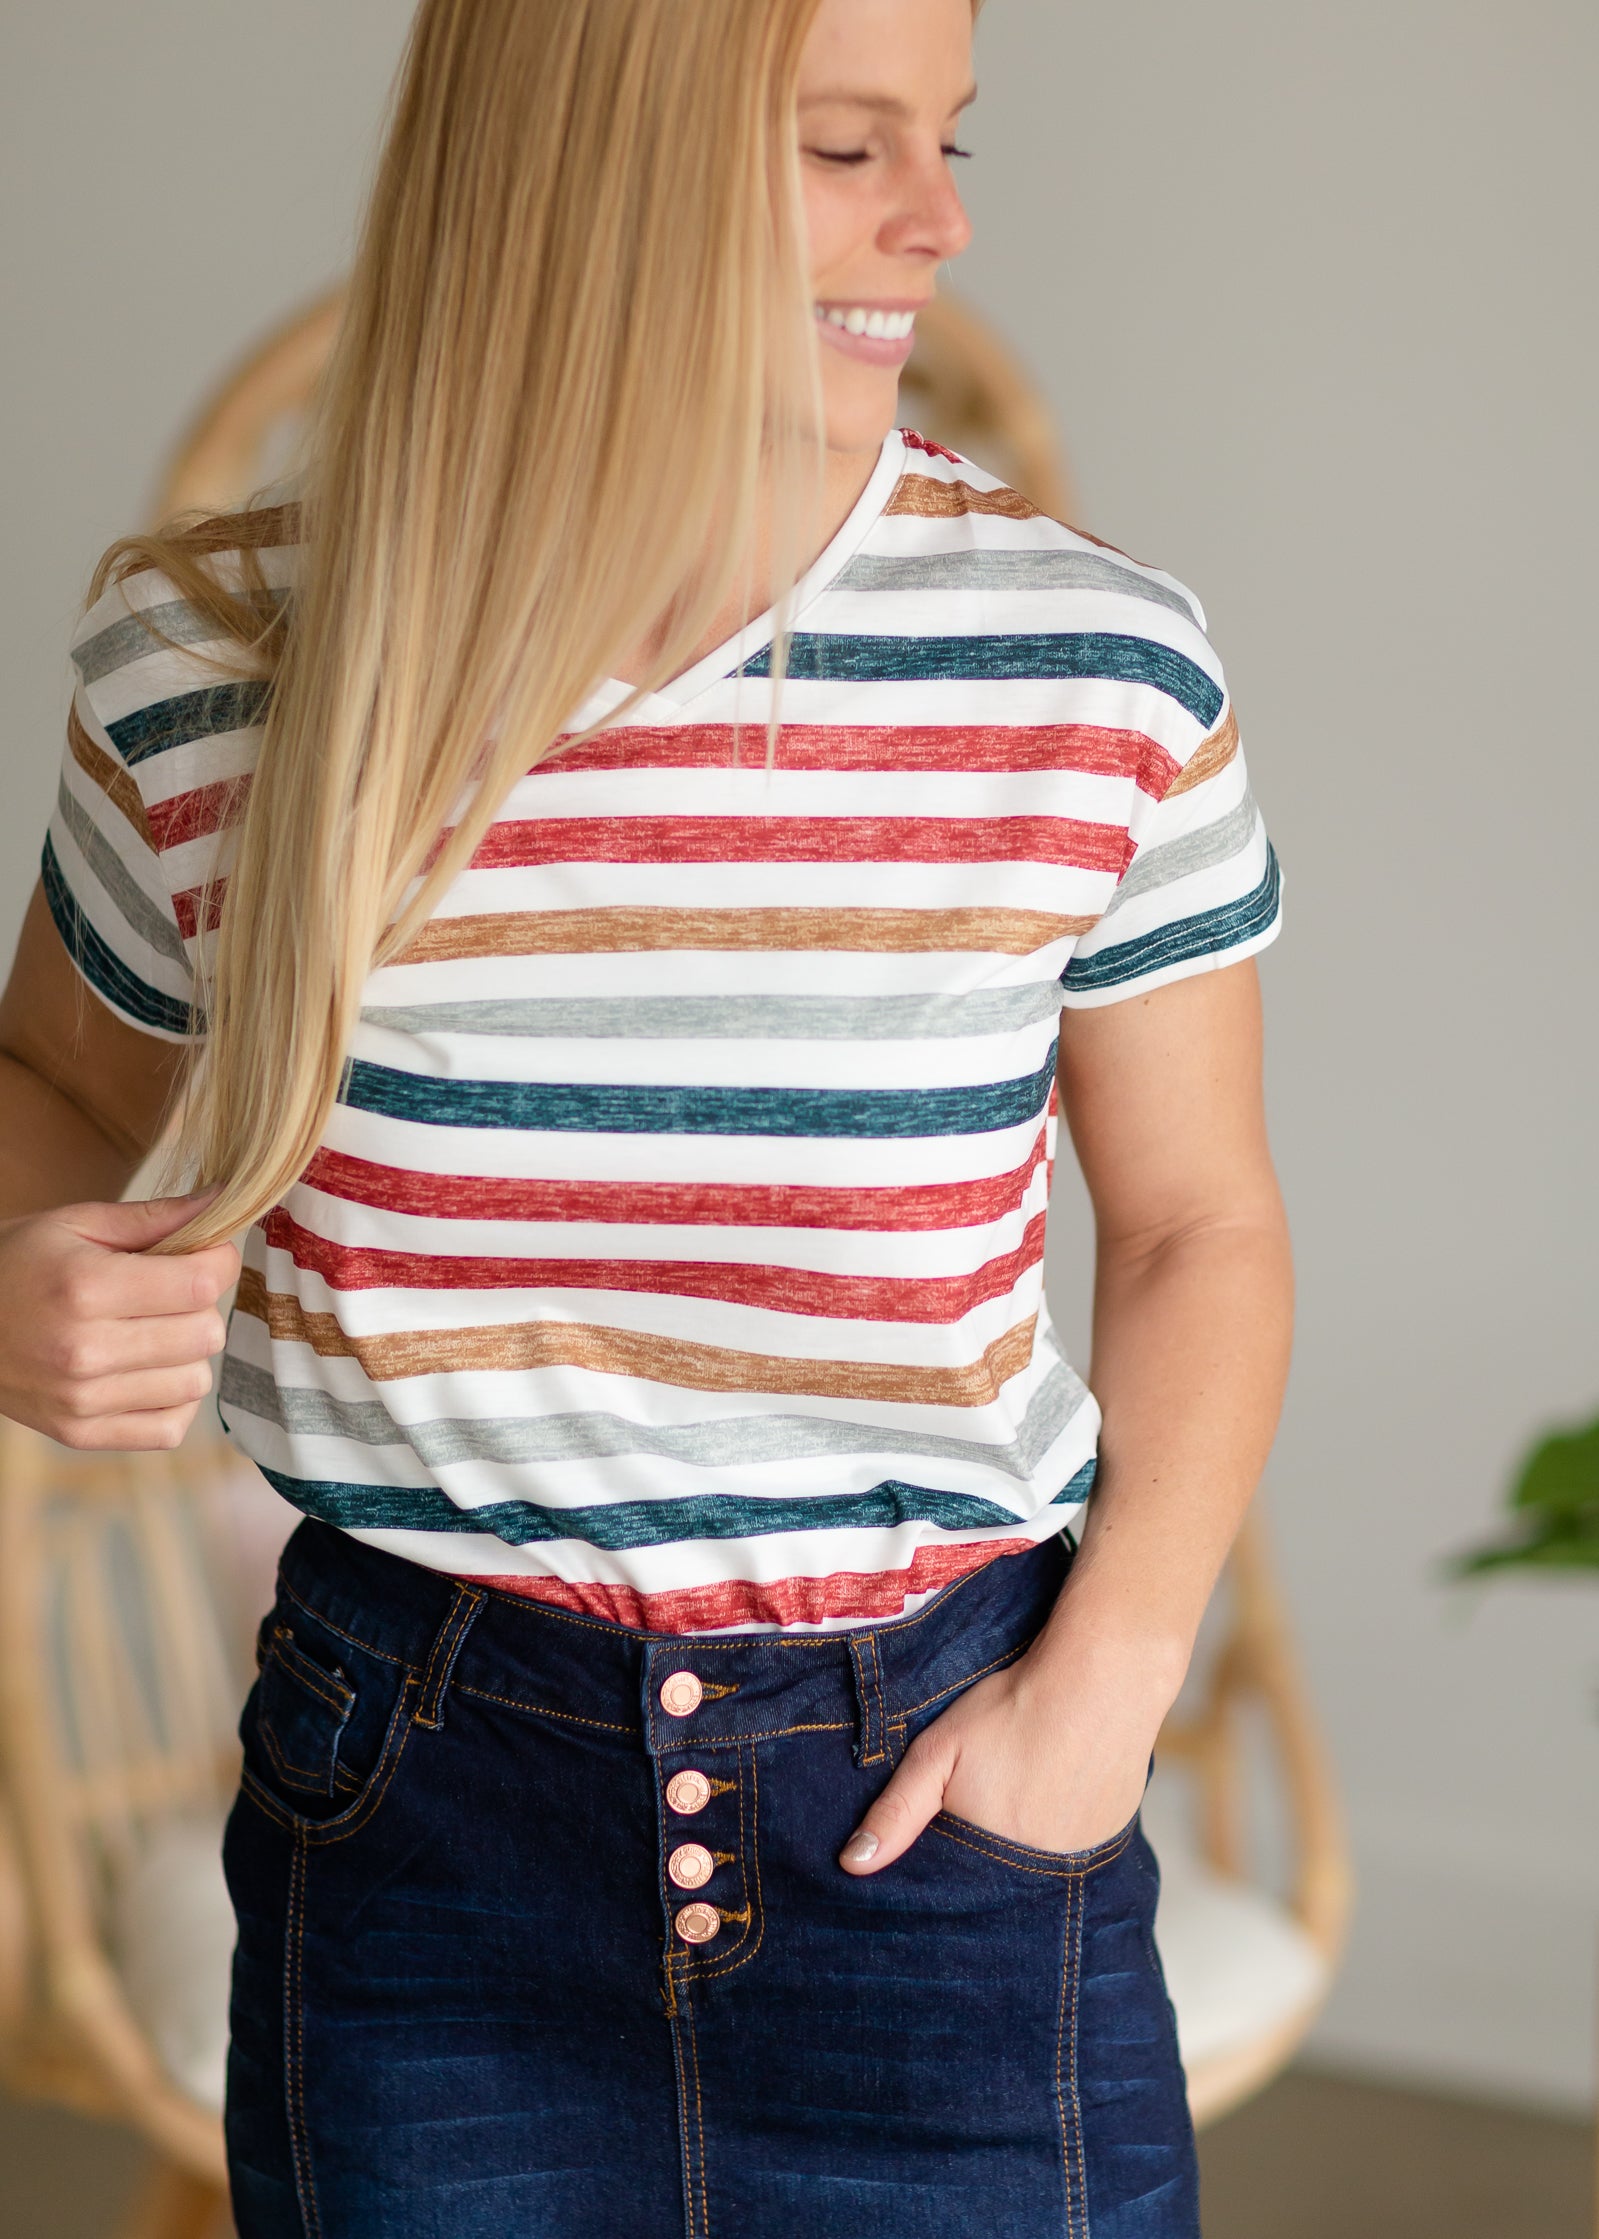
point(543, 1935)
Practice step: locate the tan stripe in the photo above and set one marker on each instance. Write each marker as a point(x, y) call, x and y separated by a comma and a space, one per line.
point(616, 1352)
point(261, 528)
point(111, 778)
point(1213, 754)
point(597, 932)
point(931, 500)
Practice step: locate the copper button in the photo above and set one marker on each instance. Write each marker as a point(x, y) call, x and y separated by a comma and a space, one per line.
point(691, 1865)
point(681, 1695)
point(697, 1924)
point(688, 1793)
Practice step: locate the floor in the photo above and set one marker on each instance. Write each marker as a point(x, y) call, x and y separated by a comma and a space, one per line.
point(1315, 2157)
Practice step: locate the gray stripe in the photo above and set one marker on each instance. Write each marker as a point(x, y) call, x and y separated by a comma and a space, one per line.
point(741, 1441)
point(1007, 571)
point(146, 917)
point(131, 640)
point(769, 1018)
point(1195, 851)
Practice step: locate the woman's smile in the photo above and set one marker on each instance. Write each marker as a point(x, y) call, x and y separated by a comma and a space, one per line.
point(875, 333)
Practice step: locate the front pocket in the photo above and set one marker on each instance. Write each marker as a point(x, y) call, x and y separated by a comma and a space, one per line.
point(302, 1709)
point(1022, 1856)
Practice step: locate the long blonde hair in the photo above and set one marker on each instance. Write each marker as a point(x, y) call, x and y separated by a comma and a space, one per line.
point(577, 347)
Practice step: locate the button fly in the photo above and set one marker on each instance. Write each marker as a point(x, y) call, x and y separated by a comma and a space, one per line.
point(691, 1866)
point(681, 1694)
point(688, 1793)
point(697, 1924)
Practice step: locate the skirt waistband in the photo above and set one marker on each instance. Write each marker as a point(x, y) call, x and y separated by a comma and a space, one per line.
point(671, 1691)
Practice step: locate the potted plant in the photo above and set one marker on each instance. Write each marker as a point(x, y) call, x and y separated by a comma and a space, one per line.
point(1554, 1511)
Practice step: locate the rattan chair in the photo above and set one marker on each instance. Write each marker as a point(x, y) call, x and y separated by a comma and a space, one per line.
point(129, 1590)
point(124, 1628)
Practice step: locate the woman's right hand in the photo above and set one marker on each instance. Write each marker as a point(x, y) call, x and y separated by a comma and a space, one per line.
point(102, 1346)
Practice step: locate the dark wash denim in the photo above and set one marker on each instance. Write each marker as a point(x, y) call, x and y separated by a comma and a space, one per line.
point(460, 2010)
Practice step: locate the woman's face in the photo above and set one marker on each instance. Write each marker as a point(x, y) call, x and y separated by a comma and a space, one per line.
point(882, 85)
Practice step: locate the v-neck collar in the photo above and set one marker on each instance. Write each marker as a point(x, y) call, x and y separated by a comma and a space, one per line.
point(755, 636)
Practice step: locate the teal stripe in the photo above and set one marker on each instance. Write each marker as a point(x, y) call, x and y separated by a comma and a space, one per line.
point(155, 629)
point(988, 570)
point(1209, 933)
point(192, 716)
point(653, 1523)
point(719, 1018)
point(100, 965)
point(607, 1108)
point(1093, 655)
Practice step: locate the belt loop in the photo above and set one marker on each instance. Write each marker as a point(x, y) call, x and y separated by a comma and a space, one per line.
point(870, 1747)
point(446, 1647)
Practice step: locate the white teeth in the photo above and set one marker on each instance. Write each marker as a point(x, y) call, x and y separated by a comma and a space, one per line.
point(878, 326)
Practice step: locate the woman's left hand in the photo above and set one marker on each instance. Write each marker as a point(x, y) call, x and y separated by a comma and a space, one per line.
point(1052, 1753)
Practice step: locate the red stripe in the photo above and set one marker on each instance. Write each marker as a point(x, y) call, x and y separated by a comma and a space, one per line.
point(196, 815)
point(473, 1197)
point(781, 1290)
point(916, 442)
point(749, 1601)
point(1062, 840)
point(186, 908)
point(960, 749)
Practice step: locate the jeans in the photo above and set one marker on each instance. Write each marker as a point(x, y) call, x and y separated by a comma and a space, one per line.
point(542, 1935)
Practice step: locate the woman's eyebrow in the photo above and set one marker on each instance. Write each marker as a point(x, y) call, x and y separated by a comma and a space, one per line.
point(884, 104)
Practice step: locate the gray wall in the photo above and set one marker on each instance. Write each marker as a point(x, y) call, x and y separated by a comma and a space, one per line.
point(1306, 285)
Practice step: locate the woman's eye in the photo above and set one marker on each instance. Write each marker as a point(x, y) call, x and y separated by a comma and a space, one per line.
point(863, 155)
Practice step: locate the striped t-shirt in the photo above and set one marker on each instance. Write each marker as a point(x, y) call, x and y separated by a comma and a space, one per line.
point(674, 1252)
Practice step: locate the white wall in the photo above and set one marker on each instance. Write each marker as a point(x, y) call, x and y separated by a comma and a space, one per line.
point(1308, 286)
point(1304, 282)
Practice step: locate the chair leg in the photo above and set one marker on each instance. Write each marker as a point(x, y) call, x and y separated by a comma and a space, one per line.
point(174, 2204)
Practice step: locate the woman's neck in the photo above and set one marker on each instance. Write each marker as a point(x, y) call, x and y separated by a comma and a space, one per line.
point(845, 476)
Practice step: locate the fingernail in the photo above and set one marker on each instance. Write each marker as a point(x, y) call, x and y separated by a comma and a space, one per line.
point(861, 1848)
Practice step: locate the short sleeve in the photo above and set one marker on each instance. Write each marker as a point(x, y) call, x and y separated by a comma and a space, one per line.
point(1201, 887)
point(158, 737)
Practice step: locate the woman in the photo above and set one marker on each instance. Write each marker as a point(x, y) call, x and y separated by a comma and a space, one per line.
point(635, 901)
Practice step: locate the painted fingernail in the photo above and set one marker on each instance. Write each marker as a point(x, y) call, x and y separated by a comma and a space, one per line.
point(861, 1848)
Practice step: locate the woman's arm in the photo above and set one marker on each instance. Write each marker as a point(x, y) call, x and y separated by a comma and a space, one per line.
point(1192, 1318)
point(100, 1345)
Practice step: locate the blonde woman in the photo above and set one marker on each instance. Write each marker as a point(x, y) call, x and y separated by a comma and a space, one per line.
point(634, 849)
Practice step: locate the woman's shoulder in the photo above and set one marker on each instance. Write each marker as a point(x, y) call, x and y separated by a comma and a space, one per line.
point(176, 645)
point(1092, 612)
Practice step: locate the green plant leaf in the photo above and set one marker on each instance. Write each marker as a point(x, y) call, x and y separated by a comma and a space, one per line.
point(1554, 1506)
point(1561, 1475)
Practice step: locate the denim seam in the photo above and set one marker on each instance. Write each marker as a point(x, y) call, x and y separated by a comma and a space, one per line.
point(1066, 2083)
point(300, 1668)
point(673, 1745)
point(322, 1837)
point(540, 1710)
point(294, 2045)
point(1010, 1656)
point(868, 1696)
point(740, 1957)
point(295, 1776)
point(680, 2064)
point(447, 1645)
point(703, 2229)
point(354, 1639)
point(1073, 1867)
